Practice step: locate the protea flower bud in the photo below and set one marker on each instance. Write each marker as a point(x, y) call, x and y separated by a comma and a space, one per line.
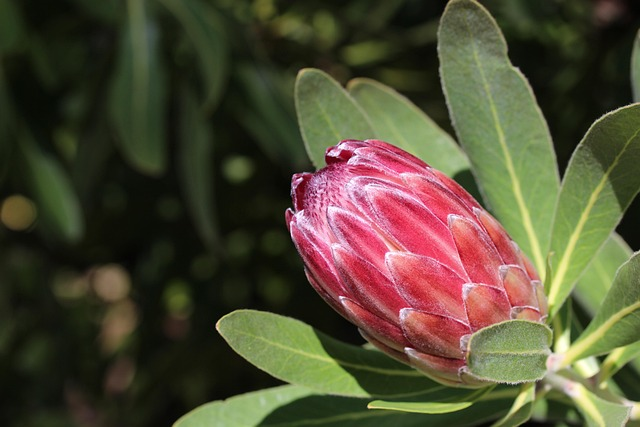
point(407, 255)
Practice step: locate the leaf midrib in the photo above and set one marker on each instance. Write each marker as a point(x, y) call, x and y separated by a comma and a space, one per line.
point(588, 406)
point(544, 352)
point(327, 119)
point(567, 254)
point(579, 348)
point(517, 191)
point(331, 360)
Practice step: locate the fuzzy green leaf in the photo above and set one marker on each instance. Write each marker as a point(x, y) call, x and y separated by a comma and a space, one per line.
point(499, 125)
point(137, 97)
point(295, 406)
point(511, 352)
point(398, 121)
point(598, 277)
point(458, 401)
point(248, 409)
point(296, 353)
point(420, 407)
point(600, 182)
point(617, 322)
point(596, 411)
point(327, 114)
point(618, 358)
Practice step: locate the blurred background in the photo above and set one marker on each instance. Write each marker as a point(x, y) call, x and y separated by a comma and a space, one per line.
point(146, 150)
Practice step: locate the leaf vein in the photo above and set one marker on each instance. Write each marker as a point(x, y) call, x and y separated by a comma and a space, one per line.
point(564, 263)
point(515, 182)
point(330, 360)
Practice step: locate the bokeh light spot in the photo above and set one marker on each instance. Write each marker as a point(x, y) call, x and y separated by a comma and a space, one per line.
point(177, 298)
point(237, 169)
point(120, 320)
point(111, 282)
point(18, 213)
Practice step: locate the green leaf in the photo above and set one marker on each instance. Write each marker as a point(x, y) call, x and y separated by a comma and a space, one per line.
point(457, 402)
point(596, 411)
point(635, 68)
point(617, 359)
point(420, 407)
point(11, 27)
point(327, 114)
point(563, 324)
point(137, 97)
point(499, 125)
point(600, 182)
point(195, 168)
point(511, 352)
point(617, 322)
point(295, 352)
point(522, 408)
point(598, 277)
point(7, 126)
point(547, 409)
point(244, 410)
point(56, 200)
point(294, 406)
point(268, 113)
point(398, 121)
point(205, 30)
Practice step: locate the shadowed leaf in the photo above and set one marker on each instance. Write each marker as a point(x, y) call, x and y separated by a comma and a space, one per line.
point(295, 406)
point(137, 97)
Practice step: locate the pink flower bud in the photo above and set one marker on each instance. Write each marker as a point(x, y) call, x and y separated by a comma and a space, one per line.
point(407, 255)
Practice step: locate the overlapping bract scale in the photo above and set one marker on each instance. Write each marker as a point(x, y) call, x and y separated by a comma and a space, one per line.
point(408, 256)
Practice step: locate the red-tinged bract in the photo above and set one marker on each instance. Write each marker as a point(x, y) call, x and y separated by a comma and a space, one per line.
point(407, 255)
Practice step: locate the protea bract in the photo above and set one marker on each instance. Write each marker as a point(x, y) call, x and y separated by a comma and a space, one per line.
point(410, 257)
